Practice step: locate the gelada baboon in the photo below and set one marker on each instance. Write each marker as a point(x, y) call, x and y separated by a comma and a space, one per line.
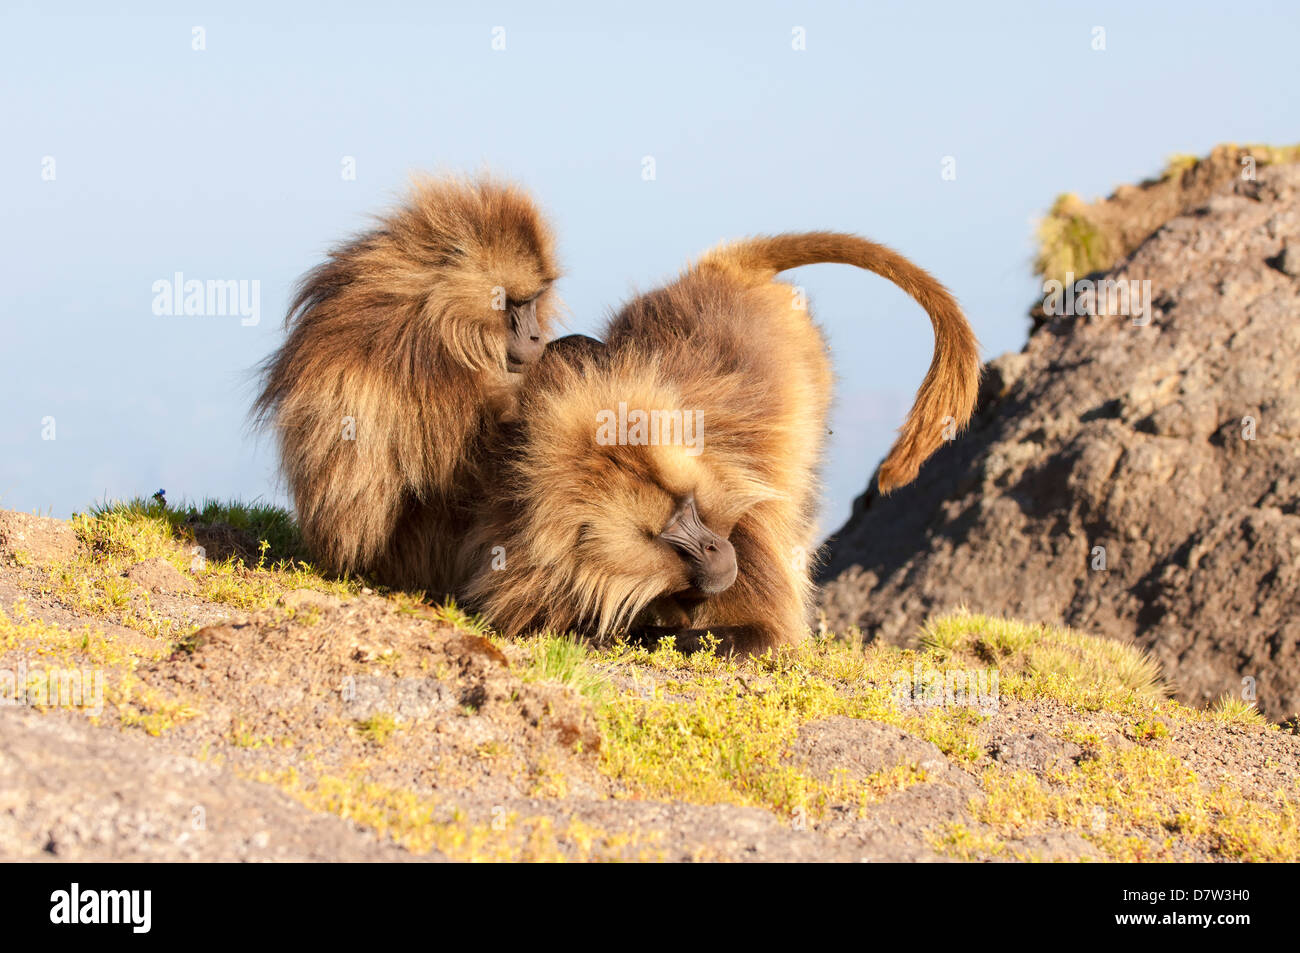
point(403, 349)
point(665, 483)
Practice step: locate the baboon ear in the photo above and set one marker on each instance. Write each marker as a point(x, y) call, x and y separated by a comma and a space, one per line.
point(574, 350)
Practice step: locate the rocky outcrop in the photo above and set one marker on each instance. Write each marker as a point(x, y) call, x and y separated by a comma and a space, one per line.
point(1132, 474)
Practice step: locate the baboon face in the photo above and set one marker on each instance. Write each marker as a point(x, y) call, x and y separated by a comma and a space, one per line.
point(518, 256)
point(493, 258)
point(648, 521)
point(648, 528)
point(524, 338)
point(501, 323)
point(616, 526)
point(709, 559)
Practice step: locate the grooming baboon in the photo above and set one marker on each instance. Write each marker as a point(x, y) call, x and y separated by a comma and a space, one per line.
point(402, 352)
point(655, 538)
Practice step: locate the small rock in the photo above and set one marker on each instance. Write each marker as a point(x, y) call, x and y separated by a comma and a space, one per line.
point(468, 646)
point(40, 539)
point(158, 575)
point(1289, 260)
point(858, 748)
point(307, 598)
point(363, 652)
point(1035, 751)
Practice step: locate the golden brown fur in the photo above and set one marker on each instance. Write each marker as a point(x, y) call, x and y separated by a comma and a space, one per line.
point(581, 525)
point(399, 341)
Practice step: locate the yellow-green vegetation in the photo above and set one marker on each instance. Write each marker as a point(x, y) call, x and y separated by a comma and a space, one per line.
point(1139, 804)
point(1178, 163)
point(273, 525)
point(378, 728)
point(1233, 709)
point(708, 729)
point(1148, 730)
point(714, 730)
point(1037, 660)
point(117, 536)
point(241, 736)
point(420, 824)
point(717, 730)
point(1112, 796)
point(566, 661)
point(1080, 238)
point(452, 614)
point(106, 670)
point(1262, 152)
point(965, 844)
point(1070, 242)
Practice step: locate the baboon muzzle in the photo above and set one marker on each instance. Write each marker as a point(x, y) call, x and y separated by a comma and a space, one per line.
point(710, 558)
point(524, 343)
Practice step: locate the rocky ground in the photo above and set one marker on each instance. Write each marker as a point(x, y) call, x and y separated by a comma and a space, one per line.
point(248, 709)
point(1135, 479)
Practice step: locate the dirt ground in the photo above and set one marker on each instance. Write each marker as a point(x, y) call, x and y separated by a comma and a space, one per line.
point(327, 725)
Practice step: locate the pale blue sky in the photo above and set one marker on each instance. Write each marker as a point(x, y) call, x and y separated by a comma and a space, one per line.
point(225, 163)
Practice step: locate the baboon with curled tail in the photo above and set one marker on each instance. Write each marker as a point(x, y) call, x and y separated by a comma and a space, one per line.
point(404, 348)
point(704, 525)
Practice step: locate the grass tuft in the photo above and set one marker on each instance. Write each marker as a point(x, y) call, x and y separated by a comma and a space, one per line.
point(565, 660)
point(1083, 238)
point(256, 521)
point(378, 728)
point(1178, 163)
point(1069, 241)
point(1238, 711)
point(1036, 659)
